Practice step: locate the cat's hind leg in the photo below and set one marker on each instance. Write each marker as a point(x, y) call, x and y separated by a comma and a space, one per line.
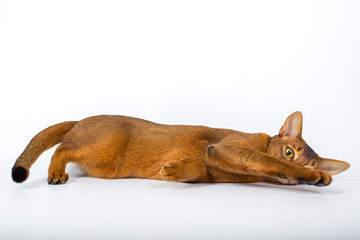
point(185, 171)
point(56, 172)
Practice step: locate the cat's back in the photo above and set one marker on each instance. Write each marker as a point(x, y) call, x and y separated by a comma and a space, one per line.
point(96, 128)
point(124, 130)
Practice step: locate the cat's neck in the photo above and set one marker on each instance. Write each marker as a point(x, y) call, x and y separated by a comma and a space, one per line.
point(265, 138)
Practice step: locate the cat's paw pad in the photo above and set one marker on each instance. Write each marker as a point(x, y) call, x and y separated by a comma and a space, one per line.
point(58, 177)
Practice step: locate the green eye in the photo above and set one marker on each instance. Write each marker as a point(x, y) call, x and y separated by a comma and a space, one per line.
point(289, 152)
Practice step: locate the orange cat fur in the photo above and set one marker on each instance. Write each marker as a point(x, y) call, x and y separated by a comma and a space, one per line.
point(126, 147)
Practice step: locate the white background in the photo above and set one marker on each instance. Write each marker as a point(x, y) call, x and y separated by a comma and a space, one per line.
point(244, 65)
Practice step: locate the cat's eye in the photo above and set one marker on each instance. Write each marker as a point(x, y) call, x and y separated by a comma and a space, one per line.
point(289, 152)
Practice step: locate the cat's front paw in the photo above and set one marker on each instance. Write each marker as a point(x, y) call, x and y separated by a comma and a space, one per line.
point(317, 178)
point(310, 177)
point(57, 177)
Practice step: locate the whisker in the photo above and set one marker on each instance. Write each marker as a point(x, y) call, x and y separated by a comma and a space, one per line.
point(269, 150)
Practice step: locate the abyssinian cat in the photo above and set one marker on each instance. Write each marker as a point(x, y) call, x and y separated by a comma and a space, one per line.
point(125, 147)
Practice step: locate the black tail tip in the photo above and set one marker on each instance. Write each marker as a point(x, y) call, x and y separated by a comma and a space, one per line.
point(19, 174)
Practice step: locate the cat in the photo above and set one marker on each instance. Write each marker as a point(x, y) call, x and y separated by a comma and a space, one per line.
point(125, 147)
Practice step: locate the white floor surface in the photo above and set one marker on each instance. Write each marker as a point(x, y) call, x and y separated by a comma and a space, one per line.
point(89, 208)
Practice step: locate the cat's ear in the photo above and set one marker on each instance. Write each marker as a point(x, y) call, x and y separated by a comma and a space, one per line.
point(292, 127)
point(332, 166)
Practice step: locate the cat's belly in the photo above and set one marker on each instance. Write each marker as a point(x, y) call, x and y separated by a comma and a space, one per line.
point(123, 169)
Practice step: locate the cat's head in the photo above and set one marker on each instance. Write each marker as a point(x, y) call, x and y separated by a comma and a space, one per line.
point(288, 145)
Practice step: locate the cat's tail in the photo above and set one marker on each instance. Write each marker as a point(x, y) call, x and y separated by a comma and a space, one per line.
point(40, 143)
